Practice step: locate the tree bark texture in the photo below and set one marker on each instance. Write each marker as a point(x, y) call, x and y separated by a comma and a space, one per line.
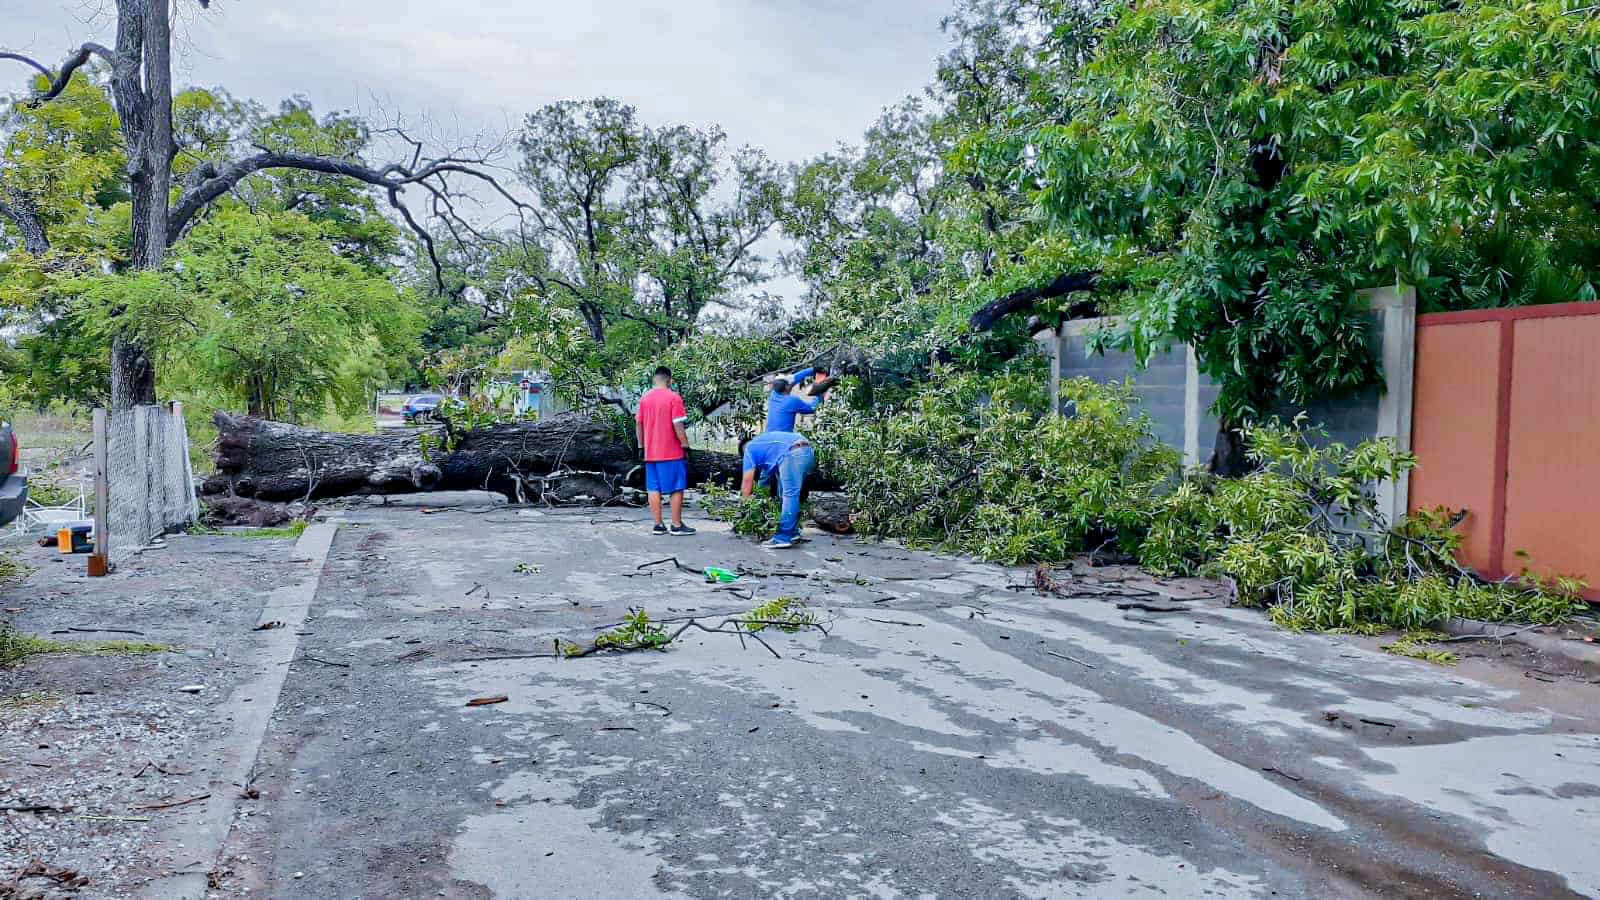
point(560, 458)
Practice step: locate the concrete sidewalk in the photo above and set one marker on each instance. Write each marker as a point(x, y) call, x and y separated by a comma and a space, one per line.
point(949, 737)
point(138, 758)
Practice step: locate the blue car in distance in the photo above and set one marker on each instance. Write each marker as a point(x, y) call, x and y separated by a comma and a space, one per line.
point(422, 407)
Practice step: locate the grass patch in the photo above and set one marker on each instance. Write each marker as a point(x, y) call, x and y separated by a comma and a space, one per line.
point(29, 700)
point(16, 646)
point(46, 491)
point(62, 428)
point(12, 570)
point(291, 531)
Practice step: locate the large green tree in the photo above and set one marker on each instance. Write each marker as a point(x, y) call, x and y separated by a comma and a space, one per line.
point(1242, 166)
point(66, 158)
point(163, 201)
point(639, 233)
point(264, 309)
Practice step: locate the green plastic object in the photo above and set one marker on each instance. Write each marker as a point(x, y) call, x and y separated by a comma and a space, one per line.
point(715, 575)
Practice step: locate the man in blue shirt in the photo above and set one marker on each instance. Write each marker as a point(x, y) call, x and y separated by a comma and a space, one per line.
point(783, 459)
point(783, 406)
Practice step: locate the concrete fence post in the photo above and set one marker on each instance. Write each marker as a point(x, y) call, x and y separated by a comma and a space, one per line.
point(100, 561)
point(1398, 307)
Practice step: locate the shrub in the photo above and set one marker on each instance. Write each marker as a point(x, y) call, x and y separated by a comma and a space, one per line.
point(1304, 536)
point(973, 463)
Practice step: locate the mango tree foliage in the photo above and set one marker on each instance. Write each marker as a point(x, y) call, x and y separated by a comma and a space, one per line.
point(63, 162)
point(1245, 165)
point(68, 154)
point(265, 310)
point(644, 235)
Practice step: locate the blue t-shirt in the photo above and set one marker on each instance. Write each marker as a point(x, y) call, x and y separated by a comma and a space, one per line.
point(767, 450)
point(782, 408)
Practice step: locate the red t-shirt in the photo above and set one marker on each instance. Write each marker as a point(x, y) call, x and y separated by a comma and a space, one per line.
point(658, 409)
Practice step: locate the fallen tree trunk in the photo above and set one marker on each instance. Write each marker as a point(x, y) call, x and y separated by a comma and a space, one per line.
point(832, 513)
point(566, 458)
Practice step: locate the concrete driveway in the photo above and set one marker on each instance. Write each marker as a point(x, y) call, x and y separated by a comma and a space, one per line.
point(948, 737)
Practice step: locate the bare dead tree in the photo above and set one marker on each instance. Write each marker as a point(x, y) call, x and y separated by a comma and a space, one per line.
point(141, 88)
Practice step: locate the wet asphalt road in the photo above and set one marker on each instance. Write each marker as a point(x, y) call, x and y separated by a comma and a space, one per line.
point(948, 737)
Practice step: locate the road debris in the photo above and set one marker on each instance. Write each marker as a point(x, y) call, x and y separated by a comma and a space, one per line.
point(327, 662)
point(172, 804)
point(674, 560)
point(488, 701)
point(65, 877)
point(1069, 658)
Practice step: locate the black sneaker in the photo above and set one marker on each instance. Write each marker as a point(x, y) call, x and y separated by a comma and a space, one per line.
point(680, 531)
point(659, 529)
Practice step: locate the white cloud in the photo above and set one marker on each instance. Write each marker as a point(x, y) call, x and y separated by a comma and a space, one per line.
point(793, 78)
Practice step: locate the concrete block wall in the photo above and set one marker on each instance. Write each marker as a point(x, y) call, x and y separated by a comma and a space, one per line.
point(1178, 398)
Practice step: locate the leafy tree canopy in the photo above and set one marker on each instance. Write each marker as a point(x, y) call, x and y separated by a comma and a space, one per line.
point(1245, 165)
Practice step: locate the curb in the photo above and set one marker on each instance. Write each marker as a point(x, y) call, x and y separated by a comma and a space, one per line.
point(1574, 649)
point(203, 830)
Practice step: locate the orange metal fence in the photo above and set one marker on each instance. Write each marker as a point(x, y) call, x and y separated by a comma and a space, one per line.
point(1506, 425)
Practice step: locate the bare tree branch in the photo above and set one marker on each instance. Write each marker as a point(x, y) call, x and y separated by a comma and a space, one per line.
point(991, 314)
point(59, 79)
point(27, 61)
point(207, 183)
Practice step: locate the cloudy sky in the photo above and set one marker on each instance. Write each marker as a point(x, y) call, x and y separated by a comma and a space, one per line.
point(792, 77)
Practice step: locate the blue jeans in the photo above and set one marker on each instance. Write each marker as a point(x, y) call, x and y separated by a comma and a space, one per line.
point(792, 472)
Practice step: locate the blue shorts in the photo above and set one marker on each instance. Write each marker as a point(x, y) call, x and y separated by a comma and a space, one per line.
point(670, 477)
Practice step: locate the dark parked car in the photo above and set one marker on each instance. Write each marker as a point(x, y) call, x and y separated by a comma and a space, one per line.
point(14, 490)
point(422, 407)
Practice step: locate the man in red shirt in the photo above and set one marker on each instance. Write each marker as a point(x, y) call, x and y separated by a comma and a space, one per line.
point(664, 438)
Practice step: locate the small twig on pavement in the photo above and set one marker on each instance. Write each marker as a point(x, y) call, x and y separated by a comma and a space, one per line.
point(86, 630)
point(174, 804)
point(35, 808)
point(1277, 771)
point(670, 559)
point(326, 662)
point(897, 622)
point(1069, 659)
point(1146, 607)
point(149, 764)
point(664, 710)
point(762, 573)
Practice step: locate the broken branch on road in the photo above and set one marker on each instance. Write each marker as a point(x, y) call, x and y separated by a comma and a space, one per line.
point(1069, 658)
point(174, 804)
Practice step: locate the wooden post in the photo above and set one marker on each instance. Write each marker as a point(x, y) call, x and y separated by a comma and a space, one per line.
point(100, 560)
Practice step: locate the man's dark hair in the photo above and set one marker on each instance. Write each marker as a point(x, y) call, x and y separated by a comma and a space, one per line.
point(664, 372)
point(781, 385)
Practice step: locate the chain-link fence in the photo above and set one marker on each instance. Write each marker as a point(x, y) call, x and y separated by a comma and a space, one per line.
point(144, 486)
